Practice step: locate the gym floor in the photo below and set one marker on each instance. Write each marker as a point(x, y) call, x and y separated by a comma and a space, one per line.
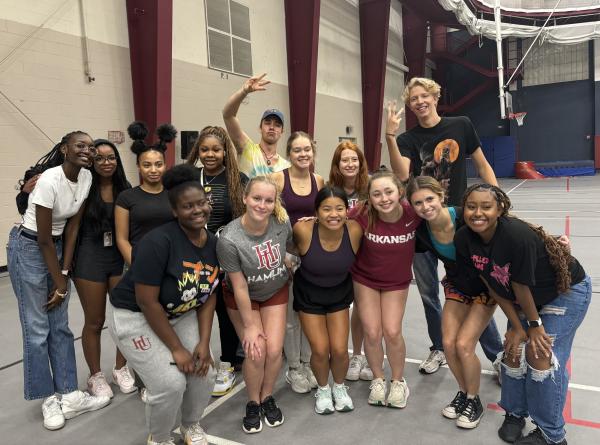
point(561, 205)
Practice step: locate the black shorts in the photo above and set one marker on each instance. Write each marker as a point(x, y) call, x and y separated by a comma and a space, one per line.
point(319, 300)
point(94, 262)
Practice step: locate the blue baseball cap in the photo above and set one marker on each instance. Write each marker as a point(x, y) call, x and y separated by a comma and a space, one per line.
point(272, 112)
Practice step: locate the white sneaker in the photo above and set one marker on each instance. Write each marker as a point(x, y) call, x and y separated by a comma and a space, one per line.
point(342, 400)
point(124, 379)
point(54, 418)
point(167, 442)
point(310, 376)
point(79, 402)
point(324, 403)
point(224, 380)
point(377, 394)
point(432, 363)
point(356, 363)
point(98, 386)
point(297, 379)
point(398, 394)
point(194, 435)
point(365, 371)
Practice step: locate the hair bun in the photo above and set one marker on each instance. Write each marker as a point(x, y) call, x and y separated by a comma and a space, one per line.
point(137, 131)
point(166, 133)
point(138, 147)
point(180, 174)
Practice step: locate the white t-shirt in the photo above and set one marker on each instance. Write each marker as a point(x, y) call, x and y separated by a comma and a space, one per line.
point(54, 191)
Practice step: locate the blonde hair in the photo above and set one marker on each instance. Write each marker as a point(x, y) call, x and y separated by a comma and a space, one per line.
point(431, 86)
point(278, 211)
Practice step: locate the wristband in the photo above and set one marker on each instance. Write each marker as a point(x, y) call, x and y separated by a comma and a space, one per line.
point(61, 295)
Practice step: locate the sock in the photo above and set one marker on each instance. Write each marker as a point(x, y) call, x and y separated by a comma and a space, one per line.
point(471, 396)
point(324, 388)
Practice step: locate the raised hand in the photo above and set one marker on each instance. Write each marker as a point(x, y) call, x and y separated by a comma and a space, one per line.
point(255, 83)
point(394, 118)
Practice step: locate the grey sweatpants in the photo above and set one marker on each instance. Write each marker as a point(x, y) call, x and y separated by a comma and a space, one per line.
point(168, 389)
point(295, 344)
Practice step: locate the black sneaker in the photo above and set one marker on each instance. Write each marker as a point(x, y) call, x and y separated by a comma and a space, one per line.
point(536, 438)
point(454, 408)
point(512, 428)
point(273, 415)
point(471, 414)
point(251, 422)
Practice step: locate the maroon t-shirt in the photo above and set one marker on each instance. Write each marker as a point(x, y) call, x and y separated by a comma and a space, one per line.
point(386, 253)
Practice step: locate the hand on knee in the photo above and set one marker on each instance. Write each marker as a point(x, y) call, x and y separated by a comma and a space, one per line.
point(541, 363)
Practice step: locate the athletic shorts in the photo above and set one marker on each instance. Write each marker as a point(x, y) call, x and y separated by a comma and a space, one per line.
point(279, 297)
point(454, 294)
point(94, 262)
point(319, 300)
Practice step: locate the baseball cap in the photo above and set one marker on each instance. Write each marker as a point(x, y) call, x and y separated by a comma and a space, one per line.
point(272, 112)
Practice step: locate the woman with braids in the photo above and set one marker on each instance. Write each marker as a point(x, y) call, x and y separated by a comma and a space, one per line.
point(349, 172)
point(381, 276)
point(162, 311)
point(224, 186)
point(142, 208)
point(467, 310)
point(99, 264)
point(41, 284)
point(251, 251)
point(545, 294)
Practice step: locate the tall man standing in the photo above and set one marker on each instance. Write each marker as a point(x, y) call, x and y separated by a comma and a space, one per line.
point(262, 158)
point(437, 147)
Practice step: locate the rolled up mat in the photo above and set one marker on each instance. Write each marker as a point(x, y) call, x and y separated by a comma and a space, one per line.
point(526, 170)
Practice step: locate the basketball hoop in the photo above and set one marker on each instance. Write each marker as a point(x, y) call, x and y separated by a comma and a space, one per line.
point(519, 117)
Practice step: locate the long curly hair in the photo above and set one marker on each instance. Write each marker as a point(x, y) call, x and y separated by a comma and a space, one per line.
point(336, 178)
point(558, 254)
point(232, 171)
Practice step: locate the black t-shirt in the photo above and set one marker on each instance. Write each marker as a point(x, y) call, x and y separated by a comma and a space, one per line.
point(515, 253)
point(165, 257)
point(441, 152)
point(146, 211)
point(217, 192)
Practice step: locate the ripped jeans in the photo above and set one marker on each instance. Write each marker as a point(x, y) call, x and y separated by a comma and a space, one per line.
point(541, 394)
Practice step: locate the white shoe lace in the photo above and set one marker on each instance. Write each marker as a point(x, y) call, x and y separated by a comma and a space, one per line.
point(195, 432)
point(355, 362)
point(51, 407)
point(340, 392)
point(377, 385)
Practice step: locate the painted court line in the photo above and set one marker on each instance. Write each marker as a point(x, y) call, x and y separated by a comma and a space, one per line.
point(213, 406)
point(517, 186)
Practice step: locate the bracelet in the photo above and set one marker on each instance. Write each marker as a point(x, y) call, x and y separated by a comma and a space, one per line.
point(61, 295)
point(391, 134)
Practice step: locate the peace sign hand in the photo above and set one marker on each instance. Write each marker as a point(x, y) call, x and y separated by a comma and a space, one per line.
point(394, 118)
point(255, 83)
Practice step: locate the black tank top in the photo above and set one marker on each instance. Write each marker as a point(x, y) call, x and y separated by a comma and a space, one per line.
point(298, 206)
point(323, 268)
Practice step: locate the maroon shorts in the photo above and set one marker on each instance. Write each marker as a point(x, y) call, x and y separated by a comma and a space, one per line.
point(279, 297)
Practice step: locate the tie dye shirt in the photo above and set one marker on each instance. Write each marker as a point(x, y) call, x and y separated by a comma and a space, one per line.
point(252, 162)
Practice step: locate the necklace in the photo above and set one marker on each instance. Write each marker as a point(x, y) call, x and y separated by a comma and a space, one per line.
point(267, 157)
point(205, 184)
point(73, 192)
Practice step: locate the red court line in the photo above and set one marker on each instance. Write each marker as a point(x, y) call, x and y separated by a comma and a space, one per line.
point(568, 184)
point(568, 225)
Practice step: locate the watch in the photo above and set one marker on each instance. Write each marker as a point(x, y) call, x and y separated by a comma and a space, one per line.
point(65, 272)
point(534, 323)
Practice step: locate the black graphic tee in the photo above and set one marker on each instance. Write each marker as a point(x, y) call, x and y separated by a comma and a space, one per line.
point(515, 253)
point(165, 257)
point(441, 152)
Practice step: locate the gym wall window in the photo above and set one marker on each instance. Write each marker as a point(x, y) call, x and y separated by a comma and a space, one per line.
point(228, 36)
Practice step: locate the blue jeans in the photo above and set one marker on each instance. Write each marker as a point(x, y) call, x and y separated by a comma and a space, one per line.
point(426, 275)
point(48, 350)
point(541, 394)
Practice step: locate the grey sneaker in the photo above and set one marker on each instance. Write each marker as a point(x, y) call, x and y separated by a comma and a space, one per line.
point(342, 400)
point(167, 442)
point(432, 363)
point(324, 403)
point(297, 380)
point(365, 371)
point(310, 376)
point(398, 394)
point(356, 363)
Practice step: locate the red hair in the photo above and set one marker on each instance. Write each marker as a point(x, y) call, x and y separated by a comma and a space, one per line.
point(336, 178)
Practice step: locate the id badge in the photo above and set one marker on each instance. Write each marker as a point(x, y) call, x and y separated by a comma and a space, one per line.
point(108, 239)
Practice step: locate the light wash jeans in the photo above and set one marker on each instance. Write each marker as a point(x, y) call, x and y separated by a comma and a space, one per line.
point(48, 350)
point(541, 394)
point(426, 275)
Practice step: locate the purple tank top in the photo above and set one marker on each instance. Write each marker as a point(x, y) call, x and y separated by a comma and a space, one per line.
point(323, 268)
point(298, 206)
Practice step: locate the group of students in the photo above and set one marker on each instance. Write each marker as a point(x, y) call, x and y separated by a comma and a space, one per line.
point(281, 255)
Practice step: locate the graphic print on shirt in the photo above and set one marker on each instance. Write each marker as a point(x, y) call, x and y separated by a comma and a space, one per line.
point(437, 163)
point(391, 239)
point(479, 262)
point(269, 258)
point(193, 291)
point(501, 274)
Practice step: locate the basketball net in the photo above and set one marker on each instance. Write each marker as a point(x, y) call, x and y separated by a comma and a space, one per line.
point(519, 117)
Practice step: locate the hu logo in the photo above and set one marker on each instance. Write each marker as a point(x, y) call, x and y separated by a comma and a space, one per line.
point(141, 343)
point(268, 255)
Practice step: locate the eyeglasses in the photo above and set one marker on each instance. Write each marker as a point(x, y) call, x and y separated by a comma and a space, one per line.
point(105, 159)
point(80, 146)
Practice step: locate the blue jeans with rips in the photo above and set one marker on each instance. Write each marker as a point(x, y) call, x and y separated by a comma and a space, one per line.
point(541, 394)
point(48, 350)
point(426, 275)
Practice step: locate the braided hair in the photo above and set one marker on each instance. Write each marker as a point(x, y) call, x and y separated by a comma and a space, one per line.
point(138, 131)
point(558, 254)
point(234, 184)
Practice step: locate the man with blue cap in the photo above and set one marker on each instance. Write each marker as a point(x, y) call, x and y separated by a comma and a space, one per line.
point(262, 158)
